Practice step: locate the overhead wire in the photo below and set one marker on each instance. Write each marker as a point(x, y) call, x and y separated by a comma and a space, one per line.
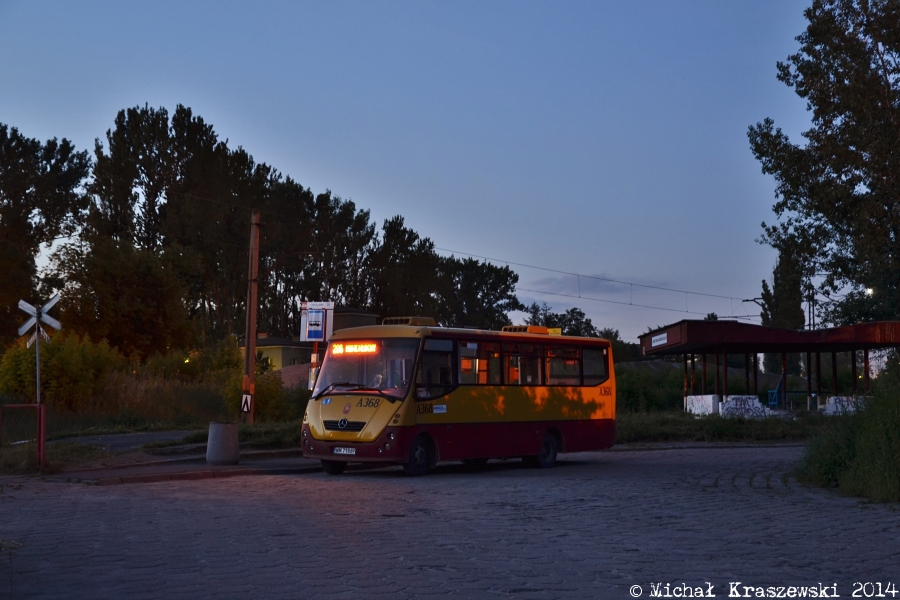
point(631, 285)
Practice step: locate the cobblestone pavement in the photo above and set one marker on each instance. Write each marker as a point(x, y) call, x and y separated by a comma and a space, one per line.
point(591, 528)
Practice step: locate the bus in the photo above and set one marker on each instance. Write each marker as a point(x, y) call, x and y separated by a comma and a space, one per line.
point(410, 393)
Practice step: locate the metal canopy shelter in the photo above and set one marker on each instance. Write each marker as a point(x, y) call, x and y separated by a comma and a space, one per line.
point(720, 338)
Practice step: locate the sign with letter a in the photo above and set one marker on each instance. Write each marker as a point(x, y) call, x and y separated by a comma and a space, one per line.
point(245, 402)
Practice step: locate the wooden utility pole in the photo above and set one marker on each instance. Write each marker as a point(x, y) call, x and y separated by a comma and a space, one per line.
point(248, 404)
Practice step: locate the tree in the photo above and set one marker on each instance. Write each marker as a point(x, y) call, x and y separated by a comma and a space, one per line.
point(838, 195)
point(40, 199)
point(472, 293)
point(129, 296)
point(782, 307)
point(572, 322)
point(404, 271)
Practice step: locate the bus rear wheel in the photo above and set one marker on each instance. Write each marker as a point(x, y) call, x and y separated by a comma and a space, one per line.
point(333, 467)
point(419, 458)
point(547, 456)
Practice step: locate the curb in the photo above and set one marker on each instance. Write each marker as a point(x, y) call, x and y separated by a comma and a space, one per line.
point(248, 455)
point(704, 446)
point(192, 475)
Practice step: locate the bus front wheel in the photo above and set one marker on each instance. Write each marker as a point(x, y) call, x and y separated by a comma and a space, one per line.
point(419, 458)
point(333, 467)
point(547, 456)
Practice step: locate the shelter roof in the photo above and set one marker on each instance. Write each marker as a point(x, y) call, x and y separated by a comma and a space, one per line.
point(693, 336)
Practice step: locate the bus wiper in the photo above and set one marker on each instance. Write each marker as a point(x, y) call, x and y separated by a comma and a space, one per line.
point(333, 385)
point(357, 387)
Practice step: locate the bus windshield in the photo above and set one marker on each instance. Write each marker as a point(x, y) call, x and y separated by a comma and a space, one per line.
point(381, 365)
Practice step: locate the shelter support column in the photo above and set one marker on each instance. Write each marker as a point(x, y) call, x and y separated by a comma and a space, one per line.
point(693, 374)
point(724, 373)
point(866, 367)
point(756, 373)
point(818, 377)
point(746, 372)
point(784, 381)
point(808, 381)
point(703, 383)
point(853, 372)
point(834, 384)
point(685, 385)
point(717, 372)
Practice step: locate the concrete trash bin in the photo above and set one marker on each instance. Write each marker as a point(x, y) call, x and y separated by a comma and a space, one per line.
point(223, 448)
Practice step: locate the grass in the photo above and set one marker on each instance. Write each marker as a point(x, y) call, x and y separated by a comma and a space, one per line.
point(22, 459)
point(677, 426)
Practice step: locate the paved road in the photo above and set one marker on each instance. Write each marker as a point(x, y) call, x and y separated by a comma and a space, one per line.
point(591, 528)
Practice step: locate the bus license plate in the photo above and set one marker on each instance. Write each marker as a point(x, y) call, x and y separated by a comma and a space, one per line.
point(345, 450)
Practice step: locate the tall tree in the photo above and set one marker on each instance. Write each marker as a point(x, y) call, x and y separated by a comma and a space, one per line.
point(472, 293)
point(782, 306)
point(838, 195)
point(404, 272)
point(41, 198)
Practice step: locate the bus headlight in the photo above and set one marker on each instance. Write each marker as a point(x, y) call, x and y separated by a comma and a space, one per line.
point(391, 436)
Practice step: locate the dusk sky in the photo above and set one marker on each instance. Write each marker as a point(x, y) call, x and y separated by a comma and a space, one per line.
point(606, 139)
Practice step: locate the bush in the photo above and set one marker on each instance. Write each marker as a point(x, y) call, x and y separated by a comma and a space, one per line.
point(644, 390)
point(73, 371)
point(860, 453)
point(273, 402)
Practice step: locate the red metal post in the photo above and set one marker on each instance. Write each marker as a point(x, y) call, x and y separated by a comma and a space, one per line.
point(42, 434)
point(684, 365)
point(853, 372)
point(249, 382)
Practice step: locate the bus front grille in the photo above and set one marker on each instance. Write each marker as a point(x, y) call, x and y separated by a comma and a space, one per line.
point(351, 426)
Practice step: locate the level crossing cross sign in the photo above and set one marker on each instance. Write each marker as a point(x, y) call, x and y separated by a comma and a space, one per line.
point(38, 317)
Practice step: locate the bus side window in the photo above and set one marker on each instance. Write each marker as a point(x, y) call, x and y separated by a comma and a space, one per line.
point(435, 377)
point(596, 365)
point(523, 364)
point(479, 363)
point(563, 366)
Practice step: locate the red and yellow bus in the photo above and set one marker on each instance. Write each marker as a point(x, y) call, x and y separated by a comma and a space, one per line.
point(410, 393)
